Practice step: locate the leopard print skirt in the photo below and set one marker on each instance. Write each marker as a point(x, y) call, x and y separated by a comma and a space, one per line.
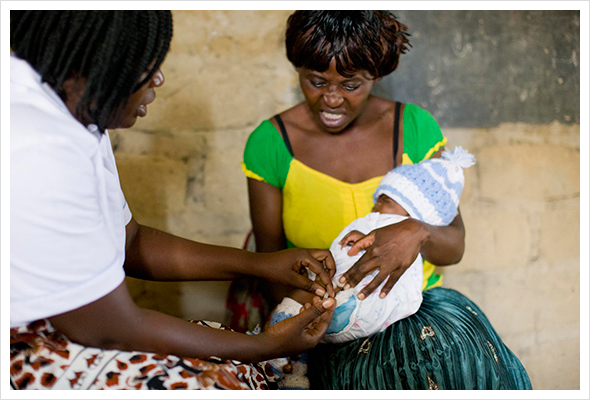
point(42, 358)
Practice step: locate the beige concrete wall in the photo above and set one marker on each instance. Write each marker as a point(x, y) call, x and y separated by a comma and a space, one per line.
point(226, 72)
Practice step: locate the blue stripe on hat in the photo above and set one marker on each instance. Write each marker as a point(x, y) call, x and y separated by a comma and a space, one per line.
point(442, 172)
point(434, 192)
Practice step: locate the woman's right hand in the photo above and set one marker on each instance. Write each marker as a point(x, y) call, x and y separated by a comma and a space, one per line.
point(116, 322)
point(391, 249)
point(295, 335)
point(289, 268)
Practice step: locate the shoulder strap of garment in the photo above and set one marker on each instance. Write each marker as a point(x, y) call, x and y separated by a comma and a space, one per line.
point(284, 133)
point(396, 123)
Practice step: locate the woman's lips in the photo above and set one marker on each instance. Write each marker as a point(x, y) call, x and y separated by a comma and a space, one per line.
point(331, 119)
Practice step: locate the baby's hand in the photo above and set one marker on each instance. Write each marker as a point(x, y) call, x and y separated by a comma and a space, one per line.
point(350, 238)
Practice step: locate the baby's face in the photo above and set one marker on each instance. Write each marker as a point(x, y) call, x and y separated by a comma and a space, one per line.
point(386, 205)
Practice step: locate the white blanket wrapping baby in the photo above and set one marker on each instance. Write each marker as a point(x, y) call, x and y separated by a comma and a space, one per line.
point(354, 318)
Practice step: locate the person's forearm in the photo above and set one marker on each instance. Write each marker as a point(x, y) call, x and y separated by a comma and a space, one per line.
point(115, 322)
point(160, 333)
point(445, 244)
point(156, 255)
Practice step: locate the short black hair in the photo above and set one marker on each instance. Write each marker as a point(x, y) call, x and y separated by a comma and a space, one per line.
point(110, 50)
point(358, 40)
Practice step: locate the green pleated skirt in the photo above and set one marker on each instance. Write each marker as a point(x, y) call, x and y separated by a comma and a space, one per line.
point(448, 344)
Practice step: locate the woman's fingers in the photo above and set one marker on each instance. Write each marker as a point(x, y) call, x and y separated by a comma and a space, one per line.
point(325, 257)
point(364, 266)
point(374, 284)
point(312, 312)
point(325, 270)
point(304, 283)
point(316, 318)
point(392, 280)
point(304, 330)
point(330, 265)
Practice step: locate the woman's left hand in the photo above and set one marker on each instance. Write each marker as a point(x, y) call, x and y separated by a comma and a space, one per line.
point(289, 267)
point(391, 249)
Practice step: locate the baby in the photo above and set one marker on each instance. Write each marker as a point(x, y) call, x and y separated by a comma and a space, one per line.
point(428, 191)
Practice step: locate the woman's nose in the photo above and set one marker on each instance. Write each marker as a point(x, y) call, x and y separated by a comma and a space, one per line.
point(333, 99)
point(158, 78)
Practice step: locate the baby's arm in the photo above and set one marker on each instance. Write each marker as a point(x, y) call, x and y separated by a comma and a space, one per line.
point(350, 238)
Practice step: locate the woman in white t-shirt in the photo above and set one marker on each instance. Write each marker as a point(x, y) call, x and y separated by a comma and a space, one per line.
point(75, 74)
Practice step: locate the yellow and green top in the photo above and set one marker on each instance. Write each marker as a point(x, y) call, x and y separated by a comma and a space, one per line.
point(316, 206)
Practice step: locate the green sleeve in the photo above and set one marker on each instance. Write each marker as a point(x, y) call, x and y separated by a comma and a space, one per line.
point(422, 135)
point(266, 157)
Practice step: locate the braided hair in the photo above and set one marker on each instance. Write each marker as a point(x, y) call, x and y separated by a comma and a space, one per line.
point(108, 50)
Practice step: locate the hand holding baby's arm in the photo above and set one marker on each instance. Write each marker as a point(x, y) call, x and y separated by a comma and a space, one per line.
point(391, 250)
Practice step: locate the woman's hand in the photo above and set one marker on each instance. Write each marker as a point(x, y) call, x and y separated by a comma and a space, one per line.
point(301, 332)
point(116, 322)
point(289, 267)
point(391, 250)
point(156, 255)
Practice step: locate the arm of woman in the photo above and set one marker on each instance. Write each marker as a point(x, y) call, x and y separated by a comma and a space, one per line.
point(266, 213)
point(446, 244)
point(116, 322)
point(156, 255)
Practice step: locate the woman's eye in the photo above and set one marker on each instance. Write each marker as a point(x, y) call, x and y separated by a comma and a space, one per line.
point(351, 88)
point(317, 84)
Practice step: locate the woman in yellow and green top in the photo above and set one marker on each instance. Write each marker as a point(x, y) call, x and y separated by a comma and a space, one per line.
point(315, 205)
point(313, 169)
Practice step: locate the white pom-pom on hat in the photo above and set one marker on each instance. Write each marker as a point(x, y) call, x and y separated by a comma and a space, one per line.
point(459, 156)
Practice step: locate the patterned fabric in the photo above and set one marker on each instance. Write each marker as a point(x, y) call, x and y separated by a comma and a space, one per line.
point(430, 190)
point(42, 358)
point(448, 344)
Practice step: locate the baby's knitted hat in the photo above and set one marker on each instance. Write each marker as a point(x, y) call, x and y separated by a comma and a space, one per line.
point(430, 190)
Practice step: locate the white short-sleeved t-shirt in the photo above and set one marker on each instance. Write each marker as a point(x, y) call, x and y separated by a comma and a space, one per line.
point(67, 211)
